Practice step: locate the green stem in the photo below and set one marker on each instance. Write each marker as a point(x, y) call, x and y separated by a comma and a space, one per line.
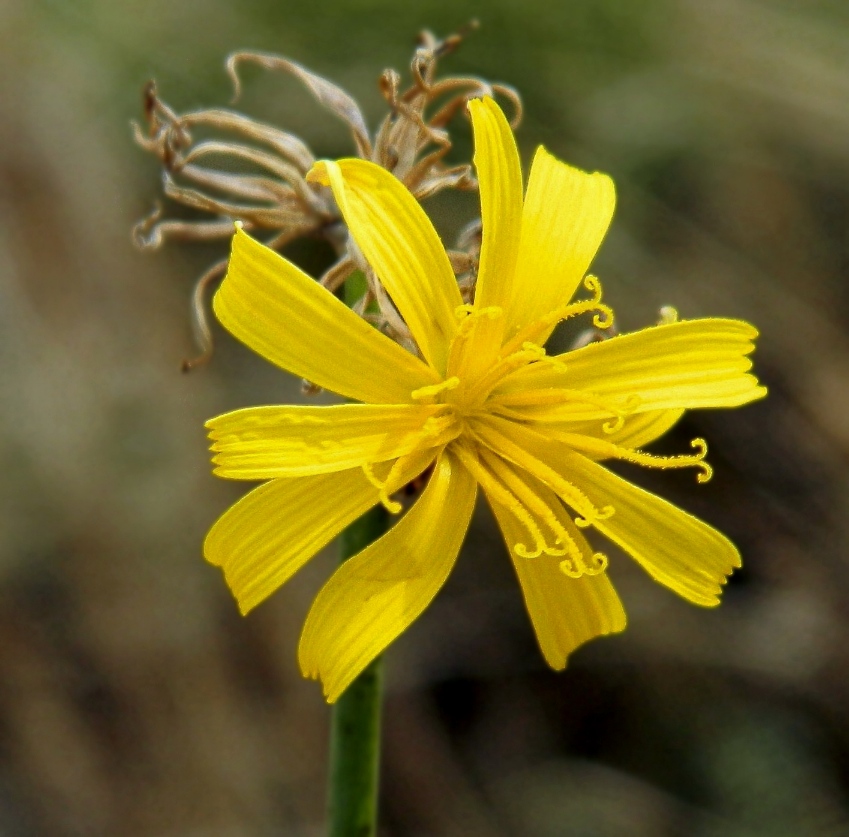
point(355, 723)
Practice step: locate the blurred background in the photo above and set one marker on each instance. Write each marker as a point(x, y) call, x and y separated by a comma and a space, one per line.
point(133, 698)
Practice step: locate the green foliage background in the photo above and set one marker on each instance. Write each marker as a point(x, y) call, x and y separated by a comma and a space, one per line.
point(135, 701)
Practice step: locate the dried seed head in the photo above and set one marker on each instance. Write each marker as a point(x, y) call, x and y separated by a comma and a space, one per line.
point(253, 172)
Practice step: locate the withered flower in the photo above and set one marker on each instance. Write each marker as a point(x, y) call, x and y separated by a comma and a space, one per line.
point(256, 174)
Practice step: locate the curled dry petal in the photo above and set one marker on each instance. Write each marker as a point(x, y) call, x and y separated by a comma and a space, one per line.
point(334, 98)
point(150, 233)
point(286, 145)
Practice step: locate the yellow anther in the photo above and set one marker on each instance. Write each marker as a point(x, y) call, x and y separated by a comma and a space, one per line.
point(507, 364)
point(435, 389)
point(564, 544)
point(489, 434)
point(534, 352)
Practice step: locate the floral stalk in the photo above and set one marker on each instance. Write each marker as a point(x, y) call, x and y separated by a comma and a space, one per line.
point(355, 724)
point(354, 775)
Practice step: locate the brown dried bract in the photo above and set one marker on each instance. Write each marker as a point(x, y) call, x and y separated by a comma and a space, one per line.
point(255, 172)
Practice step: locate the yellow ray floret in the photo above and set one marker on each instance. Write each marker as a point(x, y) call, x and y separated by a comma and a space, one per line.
point(374, 596)
point(288, 318)
point(261, 443)
point(402, 246)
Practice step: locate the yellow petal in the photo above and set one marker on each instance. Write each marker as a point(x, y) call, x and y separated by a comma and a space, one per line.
point(400, 243)
point(374, 596)
point(565, 612)
point(262, 443)
point(684, 365)
point(292, 321)
point(266, 537)
point(566, 215)
point(675, 548)
point(500, 179)
point(476, 347)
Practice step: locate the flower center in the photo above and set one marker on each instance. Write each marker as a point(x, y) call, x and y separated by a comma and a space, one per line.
point(489, 415)
point(480, 359)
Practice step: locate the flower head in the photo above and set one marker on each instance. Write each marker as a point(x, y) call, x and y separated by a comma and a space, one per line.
point(482, 404)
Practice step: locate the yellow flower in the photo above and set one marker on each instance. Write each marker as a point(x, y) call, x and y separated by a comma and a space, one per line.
point(484, 406)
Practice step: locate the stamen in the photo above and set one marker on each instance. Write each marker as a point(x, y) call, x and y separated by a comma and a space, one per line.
point(390, 505)
point(575, 564)
point(631, 403)
point(594, 517)
point(562, 398)
point(601, 447)
point(504, 497)
point(507, 364)
point(434, 390)
point(569, 493)
point(537, 506)
point(603, 318)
